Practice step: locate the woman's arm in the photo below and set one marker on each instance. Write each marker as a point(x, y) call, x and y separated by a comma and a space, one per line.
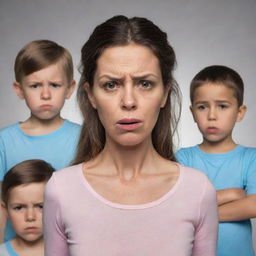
point(54, 234)
point(206, 231)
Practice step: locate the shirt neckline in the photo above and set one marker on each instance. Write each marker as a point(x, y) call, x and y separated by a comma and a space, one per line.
point(53, 133)
point(219, 155)
point(126, 206)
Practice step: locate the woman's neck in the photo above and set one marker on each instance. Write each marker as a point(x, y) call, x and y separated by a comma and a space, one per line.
point(126, 162)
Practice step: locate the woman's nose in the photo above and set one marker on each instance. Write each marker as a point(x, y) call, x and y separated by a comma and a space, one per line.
point(128, 100)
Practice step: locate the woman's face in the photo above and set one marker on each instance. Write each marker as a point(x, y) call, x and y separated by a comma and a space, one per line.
point(128, 93)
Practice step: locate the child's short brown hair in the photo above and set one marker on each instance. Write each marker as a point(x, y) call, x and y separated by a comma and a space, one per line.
point(25, 172)
point(39, 54)
point(220, 75)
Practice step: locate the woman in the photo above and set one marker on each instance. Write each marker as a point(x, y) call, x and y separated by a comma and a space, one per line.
point(125, 194)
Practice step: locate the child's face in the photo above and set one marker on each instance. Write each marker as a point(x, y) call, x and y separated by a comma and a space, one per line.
point(24, 209)
point(215, 110)
point(45, 91)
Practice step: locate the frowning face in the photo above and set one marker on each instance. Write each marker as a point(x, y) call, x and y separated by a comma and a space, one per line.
point(128, 93)
point(215, 110)
point(24, 209)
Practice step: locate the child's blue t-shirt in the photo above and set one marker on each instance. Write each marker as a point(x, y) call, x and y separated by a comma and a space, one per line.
point(57, 148)
point(7, 250)
point(235, 169)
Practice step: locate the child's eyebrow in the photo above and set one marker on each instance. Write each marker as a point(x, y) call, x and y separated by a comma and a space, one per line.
point(206, 102)
point(200, 102)
point(19, 204)
point(38, 203)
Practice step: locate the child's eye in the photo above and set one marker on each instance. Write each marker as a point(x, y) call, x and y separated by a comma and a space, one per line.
point(33, 86)
point(55, 85)
point(40, 206)
point(111, 85)
point(18, 207)
point(201, 107)
point(145, 84)
point(222, 106)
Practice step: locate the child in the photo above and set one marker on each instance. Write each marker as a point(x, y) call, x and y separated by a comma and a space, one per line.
point(22, 200)
point(44, 79)
point(216, 95)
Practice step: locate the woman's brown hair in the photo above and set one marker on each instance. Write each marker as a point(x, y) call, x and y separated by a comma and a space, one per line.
point(120, 31)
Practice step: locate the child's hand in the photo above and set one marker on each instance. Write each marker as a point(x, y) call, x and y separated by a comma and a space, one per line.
point(229, 195)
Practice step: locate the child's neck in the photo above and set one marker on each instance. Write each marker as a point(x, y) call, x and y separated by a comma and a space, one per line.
point(217, 147)
point(24, 248)
point(34, 126)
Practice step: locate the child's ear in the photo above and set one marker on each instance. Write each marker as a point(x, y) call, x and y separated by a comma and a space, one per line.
point(18, 90)
point(4, 209)
point(90, 95)
point(70, 89)
point(191, 110)
point(241, 113)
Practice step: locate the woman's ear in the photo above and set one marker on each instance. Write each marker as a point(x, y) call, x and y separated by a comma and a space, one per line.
point(241, 113)
point(18, 90)
point(167, 89)
point(90, 95)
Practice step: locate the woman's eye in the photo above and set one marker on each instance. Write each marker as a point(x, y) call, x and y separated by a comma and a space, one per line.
point(145, 84)
point(110, 85)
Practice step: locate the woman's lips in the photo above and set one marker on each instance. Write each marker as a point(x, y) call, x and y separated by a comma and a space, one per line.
point(129, 124)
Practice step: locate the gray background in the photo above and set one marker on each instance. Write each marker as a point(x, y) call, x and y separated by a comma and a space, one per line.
point(202, 32)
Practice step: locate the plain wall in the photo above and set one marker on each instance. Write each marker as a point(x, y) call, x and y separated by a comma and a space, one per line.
point(202, 32)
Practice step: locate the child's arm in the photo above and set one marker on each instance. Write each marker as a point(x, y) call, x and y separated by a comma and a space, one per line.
point(230, 195)
point(238, 210)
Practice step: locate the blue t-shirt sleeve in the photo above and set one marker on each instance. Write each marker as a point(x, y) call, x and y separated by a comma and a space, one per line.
point(251, 172)
point(2, 160)
point(182, 157)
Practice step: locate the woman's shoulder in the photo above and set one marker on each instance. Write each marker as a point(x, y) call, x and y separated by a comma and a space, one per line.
point(67, 172)
point(64, 177)
point(195, 176)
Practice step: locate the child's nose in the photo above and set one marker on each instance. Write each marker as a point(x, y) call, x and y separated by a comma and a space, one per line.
point(212, 115)
point(45, 93)
point(30, 214)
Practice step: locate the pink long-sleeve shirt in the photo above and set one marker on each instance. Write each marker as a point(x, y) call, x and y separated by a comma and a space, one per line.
point(80, 222)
